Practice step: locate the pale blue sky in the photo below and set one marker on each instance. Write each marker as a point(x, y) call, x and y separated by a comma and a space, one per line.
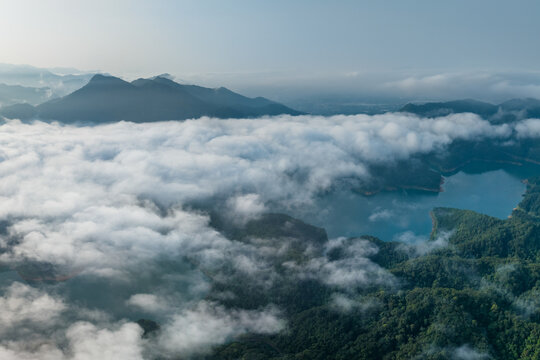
point(255, 41)
point(264, 36)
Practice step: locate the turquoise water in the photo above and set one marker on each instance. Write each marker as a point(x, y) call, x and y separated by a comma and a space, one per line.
point(391, 215)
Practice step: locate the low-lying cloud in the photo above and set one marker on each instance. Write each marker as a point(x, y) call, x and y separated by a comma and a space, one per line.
point(346, 265)
point(196, 330)
point(417, 245)
point(91, 197)
point(489, 86)
point(123, 201)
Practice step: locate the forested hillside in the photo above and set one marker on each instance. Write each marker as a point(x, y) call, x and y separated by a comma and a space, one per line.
point(472, 292)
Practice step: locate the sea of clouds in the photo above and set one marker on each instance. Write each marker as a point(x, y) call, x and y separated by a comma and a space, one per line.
point(112, 202)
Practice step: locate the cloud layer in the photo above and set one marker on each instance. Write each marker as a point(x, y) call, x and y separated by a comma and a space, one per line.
point(121, 202)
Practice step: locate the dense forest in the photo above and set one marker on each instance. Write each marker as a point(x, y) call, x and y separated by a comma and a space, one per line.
point(472, 292)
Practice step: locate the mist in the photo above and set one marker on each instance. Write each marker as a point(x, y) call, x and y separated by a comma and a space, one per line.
point(117, 209)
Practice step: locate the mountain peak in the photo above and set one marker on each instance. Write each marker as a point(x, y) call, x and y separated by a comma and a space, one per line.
point(100, 79)
point(107, 99)
point(165, 76)
point(164, 80)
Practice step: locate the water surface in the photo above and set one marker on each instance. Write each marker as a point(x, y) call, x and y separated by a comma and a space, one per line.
point(390, 215)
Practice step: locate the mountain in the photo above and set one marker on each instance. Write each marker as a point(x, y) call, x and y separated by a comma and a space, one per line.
point(434, 109)
point(473, 297)
point(58, 80)
point(108, 99)
point(18, 111)
point(13, 94)
point(529, 107)
point(505, 112)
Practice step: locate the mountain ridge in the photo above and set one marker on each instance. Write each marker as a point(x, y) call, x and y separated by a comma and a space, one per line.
point(507, 111)
point(107, 99)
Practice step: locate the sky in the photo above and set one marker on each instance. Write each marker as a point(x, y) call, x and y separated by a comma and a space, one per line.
point(246, 36)
point(254, 44)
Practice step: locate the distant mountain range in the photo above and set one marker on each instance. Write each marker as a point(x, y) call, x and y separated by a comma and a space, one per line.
point(108, 99)
point(60, 81)
point(13, 94)
point(507, 111)
point(100, 98)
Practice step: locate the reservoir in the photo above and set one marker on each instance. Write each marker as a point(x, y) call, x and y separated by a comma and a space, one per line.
point(404, 215)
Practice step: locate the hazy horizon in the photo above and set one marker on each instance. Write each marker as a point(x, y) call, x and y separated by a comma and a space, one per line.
point(290, 51)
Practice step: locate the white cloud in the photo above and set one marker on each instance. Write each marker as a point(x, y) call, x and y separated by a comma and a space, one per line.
point(345, 304)
point(38, 325)
point(516, 90)
point(466, 352)
point(529, 128)
point(111, 200)
point(351, 269)
point(89, 342)
point(381, 214)
point(23, 304)
point(148, 302)
point(85, 341)
point(16, 351)
point(490, 86)
point(245, 207)
point(209, 324)
point(417, 245)
point(92, 197)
